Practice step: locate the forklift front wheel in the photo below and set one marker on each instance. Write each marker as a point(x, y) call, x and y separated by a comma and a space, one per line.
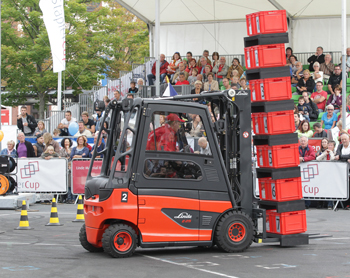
point(234, 232)
point(84, 242)
point(119, 241)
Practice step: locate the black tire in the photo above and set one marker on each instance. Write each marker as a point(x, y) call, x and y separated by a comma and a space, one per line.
point(84, 242)
point(234, 232)
point(119, 241)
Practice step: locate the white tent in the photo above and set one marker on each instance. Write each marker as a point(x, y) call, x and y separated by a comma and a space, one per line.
point(219, 25)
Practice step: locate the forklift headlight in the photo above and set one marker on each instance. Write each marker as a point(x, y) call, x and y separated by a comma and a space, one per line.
point(231, 93)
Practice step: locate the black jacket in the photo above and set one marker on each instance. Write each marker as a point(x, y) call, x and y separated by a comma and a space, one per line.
point(32, 124)
point(313, 111)
point(314, 59)
point(30, 149)
point(310, 84)
point(342, 157)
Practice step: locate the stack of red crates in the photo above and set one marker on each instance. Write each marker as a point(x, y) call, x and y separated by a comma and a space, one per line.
point(273, 124)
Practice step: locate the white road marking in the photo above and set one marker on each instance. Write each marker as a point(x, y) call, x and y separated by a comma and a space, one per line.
point(190, 266)
point(27, 243)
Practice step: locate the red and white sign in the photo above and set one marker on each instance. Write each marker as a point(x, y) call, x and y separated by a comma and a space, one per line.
point(5, 117)
point(38, 175)
point(315, 143)
point(80, 170)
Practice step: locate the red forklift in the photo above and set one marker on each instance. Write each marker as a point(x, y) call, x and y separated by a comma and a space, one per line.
point(159, 189)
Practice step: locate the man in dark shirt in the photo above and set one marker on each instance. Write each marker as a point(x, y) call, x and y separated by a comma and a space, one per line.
point(23, 147)
point(319, 132)
point(335, 79)
point(26, 122)
point(88, 123)
point(318, 57)
point(133, 89)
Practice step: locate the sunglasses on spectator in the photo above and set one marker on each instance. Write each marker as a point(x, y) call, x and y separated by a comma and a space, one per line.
point(330, 109)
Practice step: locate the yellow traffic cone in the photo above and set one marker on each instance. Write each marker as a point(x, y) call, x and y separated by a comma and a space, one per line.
point(23, 222)
point(54, 221)
point(80, 211)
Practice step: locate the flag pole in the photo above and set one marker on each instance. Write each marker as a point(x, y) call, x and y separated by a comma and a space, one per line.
point(59, 91)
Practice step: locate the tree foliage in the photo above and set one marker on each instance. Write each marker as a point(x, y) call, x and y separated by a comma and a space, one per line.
point(99, 39)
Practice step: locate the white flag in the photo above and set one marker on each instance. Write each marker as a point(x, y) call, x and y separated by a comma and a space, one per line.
point(53, 14)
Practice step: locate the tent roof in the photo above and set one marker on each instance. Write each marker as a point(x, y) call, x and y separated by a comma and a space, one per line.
point(201, 11)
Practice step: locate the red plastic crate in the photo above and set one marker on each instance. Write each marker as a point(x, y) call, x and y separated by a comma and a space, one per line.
point(249, 63)
point(268, 22)
point(279, 156)
point(286, 223)
point(271, 89)
point(270, 55)
point(280, 190)
point(251, 25)
point(272, 123)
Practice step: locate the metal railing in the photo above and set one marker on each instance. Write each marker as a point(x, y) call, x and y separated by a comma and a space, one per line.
point(86, 102)
point(303, 56)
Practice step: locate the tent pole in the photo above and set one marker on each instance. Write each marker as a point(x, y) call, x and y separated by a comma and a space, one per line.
point(59, 91)
point(343, 63)
point(156, 47)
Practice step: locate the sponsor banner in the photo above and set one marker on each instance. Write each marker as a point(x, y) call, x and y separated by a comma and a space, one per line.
point(325, 180)
point(42, 176)
point(315, 143)
point(139, 72)
point(5, 117)
point(53, 15)
point(80, 168)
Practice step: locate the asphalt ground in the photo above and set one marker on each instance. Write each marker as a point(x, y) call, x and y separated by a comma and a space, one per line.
point(56, 252)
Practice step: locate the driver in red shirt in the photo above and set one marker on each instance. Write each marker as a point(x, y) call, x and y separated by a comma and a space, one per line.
point(165, 135)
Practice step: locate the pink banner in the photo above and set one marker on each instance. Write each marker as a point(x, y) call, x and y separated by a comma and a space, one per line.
point(315, 143)
point(80, 170)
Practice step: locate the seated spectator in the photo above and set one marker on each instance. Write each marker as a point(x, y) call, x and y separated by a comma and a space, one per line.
point(140, 82)
point(235, 81)
point(39, 146)
point(297, 121)
point(335, 79)
point(197, 90)
point(48, 141)
point(49, 153)
point(117, 95)
point(289, 54)
point(341, 129)
point(66, 149)
point(327, 67)
point(297, 75)
point(303, 108)
point(211, 85)
point(189, 56)
point(174, 65)
point(163, 66)
point(81, 150)
point(313, 111)
point(324, 146)
point(317, 75)
point(319, 132)
point(23, 147)
point(40, 129)
point(319, 97)
point(204, 146)
point(207, 70)
point(176, 77)
point(10, 150)
point(63, 126)
point(336, 99)
point(304, 130)
point(306, 83)
point(226, 83)
point(193, 78)
point(329, 119)
point(100, 146)
point(317, 57)
point(328, 153)
point(192, 65)
point(306, 152)
point(133, 89)
point(197, 126)
point(25, 122)
point(235, 86)
point(82, 130)
point(200, 78)
point(343, 151)
point(215, 56)
point(88, 123)
point(205, 56)
point(292, 63)
point(243, 83)
point(182, 79)
point(56, 132)
point(104, 132)
point(203, 63)
point(220, 69)
point(235, 66)
point(130, 96)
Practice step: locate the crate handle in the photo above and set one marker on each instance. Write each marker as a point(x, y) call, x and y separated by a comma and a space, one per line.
point(280, 113)
point(277, 80)
point(288, 180)
point(285, 147)
point(293, 213)
point(272, 46)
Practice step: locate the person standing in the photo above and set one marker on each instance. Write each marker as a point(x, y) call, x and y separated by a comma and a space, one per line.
point(39, 145)
point(23, 147)
point(26, 122)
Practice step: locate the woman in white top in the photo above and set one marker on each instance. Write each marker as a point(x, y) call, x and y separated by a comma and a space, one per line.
point(197, 127)
point(317, 75)
point(329, 153)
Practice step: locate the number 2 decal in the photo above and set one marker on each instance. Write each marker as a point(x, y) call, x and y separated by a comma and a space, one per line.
point(124, 197)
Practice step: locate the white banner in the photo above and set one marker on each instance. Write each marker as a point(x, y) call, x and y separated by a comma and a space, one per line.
point(139, 72)
point(40, 175)
point(325, 180)
point(125, 83)
point(113, 85)
point(53, 15)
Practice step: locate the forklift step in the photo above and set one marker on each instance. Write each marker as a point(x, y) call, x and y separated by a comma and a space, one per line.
point(272, 106)
point(287, 240)
point(273, 140)
point(295, 205)
point(276, 174)
point(262, 73)
point(266, 39)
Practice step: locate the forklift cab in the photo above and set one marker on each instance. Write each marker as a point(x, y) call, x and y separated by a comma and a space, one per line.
point(173, 174)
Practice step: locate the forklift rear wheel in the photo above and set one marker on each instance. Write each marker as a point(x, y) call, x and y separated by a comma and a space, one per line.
point(234, 232)
point(84, 242)
point(119, 241)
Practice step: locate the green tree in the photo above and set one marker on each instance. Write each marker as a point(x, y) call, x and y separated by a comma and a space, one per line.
point(99, 39)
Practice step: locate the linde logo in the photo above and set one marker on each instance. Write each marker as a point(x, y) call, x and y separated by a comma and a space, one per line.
point(183, 215)
point(29, 170)
point(242, 93)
